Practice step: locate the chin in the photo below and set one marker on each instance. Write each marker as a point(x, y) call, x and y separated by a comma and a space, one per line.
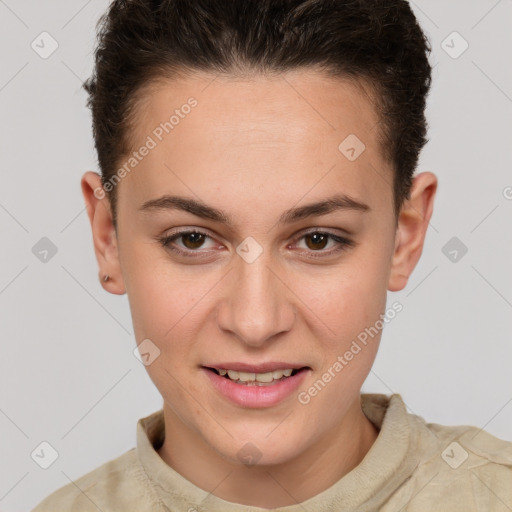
point(260, 451)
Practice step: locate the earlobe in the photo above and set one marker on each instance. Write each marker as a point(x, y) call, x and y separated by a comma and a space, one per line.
point(412, 227)
point(103, 233)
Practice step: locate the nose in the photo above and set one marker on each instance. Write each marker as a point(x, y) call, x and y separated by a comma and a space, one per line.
point(257, 303)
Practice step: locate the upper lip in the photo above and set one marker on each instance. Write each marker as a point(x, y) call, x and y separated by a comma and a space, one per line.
point(256, 368)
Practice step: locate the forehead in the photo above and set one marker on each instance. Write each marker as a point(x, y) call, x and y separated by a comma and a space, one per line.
point(278, 134)
point(302, 100)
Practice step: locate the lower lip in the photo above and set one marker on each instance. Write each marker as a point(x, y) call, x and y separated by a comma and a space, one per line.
point(256, 396)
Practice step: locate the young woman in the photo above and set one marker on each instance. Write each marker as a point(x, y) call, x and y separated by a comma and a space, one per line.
point(257, 200)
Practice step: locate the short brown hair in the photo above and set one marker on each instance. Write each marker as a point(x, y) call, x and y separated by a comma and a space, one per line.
point(377, 41)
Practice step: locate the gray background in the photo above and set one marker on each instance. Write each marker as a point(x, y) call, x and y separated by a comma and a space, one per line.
point(68, 375)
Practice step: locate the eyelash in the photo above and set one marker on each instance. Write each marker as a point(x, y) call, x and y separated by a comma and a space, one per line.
point(342, 242)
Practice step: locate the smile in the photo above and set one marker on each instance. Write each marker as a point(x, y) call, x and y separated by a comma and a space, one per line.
point(256, 379)
point(255, 390)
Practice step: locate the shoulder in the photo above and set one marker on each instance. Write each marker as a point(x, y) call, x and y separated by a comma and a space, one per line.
point(465, 468)
point(119, 484)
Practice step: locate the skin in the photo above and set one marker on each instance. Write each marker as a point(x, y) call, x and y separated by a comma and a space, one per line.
point(255, 147)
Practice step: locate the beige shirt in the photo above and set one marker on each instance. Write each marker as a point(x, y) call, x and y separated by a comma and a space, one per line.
point(413, 466)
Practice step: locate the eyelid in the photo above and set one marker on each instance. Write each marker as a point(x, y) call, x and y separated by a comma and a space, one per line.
point(342, 233)
point(204, 231)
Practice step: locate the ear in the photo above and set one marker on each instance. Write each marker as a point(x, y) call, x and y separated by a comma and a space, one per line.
point(412, 228)
point(103, 232)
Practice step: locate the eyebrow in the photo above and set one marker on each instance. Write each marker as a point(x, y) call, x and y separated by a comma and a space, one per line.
point(200, 209)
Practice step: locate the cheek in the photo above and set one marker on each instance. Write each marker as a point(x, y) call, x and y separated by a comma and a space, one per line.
point(351, 304)
point(170, 305)
point(166, 311)
point(159, 292)
point(354, 293)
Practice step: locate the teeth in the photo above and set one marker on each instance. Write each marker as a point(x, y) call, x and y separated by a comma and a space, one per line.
point(256, 377)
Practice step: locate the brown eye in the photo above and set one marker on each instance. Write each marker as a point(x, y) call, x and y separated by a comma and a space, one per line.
point(318, 240)
point(314, 244)
point(192, 240)
point(185, 243)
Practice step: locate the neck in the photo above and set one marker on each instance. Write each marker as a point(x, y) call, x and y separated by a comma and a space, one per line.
point(312, 471)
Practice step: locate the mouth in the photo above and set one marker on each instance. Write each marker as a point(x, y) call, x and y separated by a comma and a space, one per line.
point(267, 378)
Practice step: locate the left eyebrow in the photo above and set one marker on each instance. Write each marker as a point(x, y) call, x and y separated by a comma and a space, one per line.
point(202, 210)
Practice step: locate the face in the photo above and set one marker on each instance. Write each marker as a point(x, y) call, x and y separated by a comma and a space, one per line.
point(238, 268)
